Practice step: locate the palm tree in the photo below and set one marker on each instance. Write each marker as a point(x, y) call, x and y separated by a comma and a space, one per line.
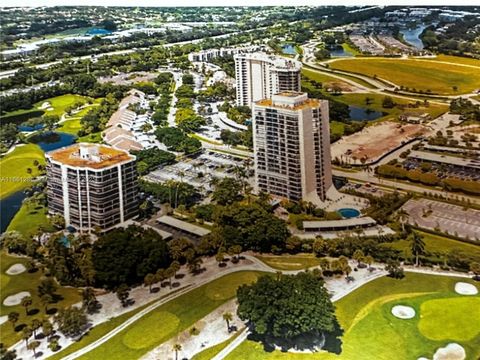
point(33, 346)
point(417, 246)
point(149, 280)
point(36, 324)
point(47, 329)
point(13, 318)
point(46, 299)
point(169, 273)
point(26, 302)
point(177, 347)
point(175, 265)
point(160, 275)
point(368, 260)
point(26, 333)
point(402, 216)
point(228, 317)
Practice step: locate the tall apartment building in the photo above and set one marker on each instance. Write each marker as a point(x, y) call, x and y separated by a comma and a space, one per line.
point(259, 76)
point(291, 139)
point(92, 185)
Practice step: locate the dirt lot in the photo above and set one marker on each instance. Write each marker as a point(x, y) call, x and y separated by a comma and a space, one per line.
point(374, 141)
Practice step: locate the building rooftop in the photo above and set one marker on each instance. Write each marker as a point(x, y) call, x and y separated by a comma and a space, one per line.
point(290, 100)
point(183, 225)
point(338, 224)
point(278, 62)
point(446, 159)
point(85, 155)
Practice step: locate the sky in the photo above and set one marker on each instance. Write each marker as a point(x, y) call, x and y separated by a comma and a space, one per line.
point(160, 3)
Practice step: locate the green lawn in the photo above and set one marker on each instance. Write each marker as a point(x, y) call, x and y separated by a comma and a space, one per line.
point(350, 49)
point(210, 352)
point(14, 165)
point(371, 332)
point(71, 126)
point(437, 77)
point(91, 138)
point(29, 219)
point(454, 60)
point(290, 262)
point(181, 313)
point(11, 285)
point(323, 77)
point(337, 127)
point(437, 246)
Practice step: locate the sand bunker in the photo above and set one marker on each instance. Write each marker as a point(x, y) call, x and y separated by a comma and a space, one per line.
point(452, 351)
point(16, 269)
point(403, 312)
point(16, 299)
point(3, 319)
point(465, 289)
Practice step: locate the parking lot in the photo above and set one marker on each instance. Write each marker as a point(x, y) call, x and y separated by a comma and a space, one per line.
point(451, 219)
point(199, 171)
point(444, 170)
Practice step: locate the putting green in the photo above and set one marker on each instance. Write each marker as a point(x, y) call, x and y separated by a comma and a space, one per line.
point(450, 319)
point(163, 322)
point(222, 291)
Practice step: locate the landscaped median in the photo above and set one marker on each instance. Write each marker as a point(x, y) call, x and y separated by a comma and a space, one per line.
point(162, 323)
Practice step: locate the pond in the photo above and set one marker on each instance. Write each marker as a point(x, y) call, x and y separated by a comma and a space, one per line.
point(412, 36)
point(289, 49)
point(10, 206)
point(358, 113)
point(30, 127)
point(49, 141)
point(339, 51)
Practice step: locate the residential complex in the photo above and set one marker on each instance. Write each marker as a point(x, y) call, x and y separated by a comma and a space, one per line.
point(125, 127)
point(291, 140)
point(92, 185)
point(259, 76)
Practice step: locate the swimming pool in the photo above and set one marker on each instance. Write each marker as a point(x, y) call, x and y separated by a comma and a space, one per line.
point(348, 213)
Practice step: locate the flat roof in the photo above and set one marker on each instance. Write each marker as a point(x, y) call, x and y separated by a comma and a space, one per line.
point(105, 156)
point(308, 103)
point(446, 159)
point(183, 225)
point(332, 224)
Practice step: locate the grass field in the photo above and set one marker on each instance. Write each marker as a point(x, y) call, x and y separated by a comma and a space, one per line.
point(210, 352)
point(14, 167)
point(323, 77)
point(337, 127)
point(438, 77)
point(29, 219)
point(437, 246)
point(454, 60)
point(60, 103)
point(10, 285)
point(182, 312)
point(371, 332)
point(290, 262)
point(313, 72)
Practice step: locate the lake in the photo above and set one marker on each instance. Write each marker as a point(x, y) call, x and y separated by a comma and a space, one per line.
point(52, 140)
point(358, 113)
point(10, 205)
point(412, 36)
point(289, 49)
point(339, 51)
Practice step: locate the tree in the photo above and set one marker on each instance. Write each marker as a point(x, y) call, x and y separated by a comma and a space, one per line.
point(6, 354)
point(46, 299)
point(176, 349)
point(149, 280)
point(53, 345)
point(47, 328)
point(175, 266)
point(47, 287)
point(13, 318)
point(33, 346)
point(304, 307)
point(388, 102)
point(169, 273)
point(402, 216)
point(123, 292)
point(358, 256)
point(26, 333)
point(394, 269)
point(368, 260)
point(220, 257)
point(475, 268)
point(36, 324)
point(195, 264)
point(26, 302)
point(417, 246)
point(228, 316)
point(89, 300)
point(227, 191)
point(71, 321)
